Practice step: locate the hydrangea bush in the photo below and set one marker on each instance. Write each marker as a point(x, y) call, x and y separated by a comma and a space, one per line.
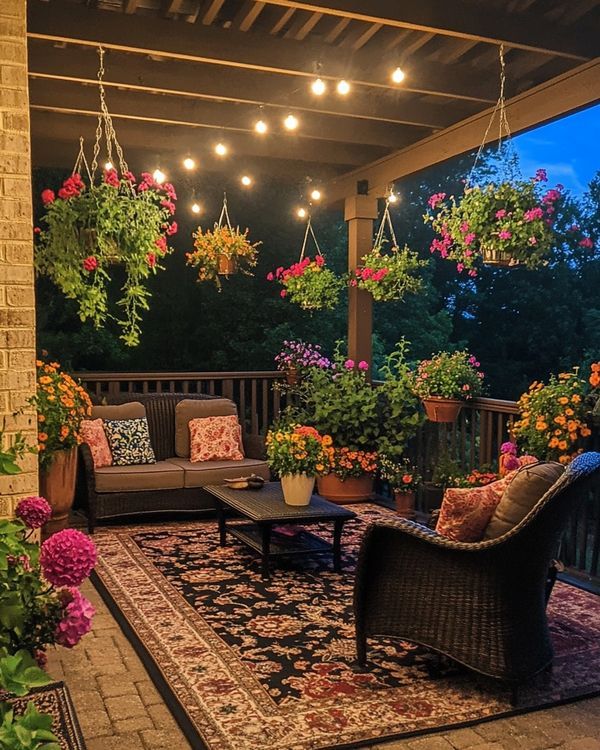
point(309, 283)
point(453, 375)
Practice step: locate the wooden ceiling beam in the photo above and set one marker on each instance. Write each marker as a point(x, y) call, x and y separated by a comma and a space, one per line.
point(247, 15)
point(284, 17)
point(235, 49)
point(560, 96)
point(481, 23)
point(242, 86)
point(130, 6)
point(302, 26)
point(210, 13)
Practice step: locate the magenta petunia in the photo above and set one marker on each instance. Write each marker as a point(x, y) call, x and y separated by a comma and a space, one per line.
point(67, 558)
point(349, 364)
point(77, 618)
point(362, 365)
point(34, 511)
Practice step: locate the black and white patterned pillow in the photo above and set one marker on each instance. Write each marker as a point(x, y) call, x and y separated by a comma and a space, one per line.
point(129, 441)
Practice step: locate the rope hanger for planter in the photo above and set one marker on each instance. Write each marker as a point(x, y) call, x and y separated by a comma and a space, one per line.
point(224, 215)
point(310, 232)
point(105, 121)
point(385, 223)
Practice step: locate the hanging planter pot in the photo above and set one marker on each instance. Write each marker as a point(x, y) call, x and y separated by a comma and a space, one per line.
point(498, 258)
point(456, 375)
point(440, 409)
point(222, 251)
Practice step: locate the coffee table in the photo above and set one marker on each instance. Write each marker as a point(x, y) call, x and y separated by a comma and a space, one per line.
point(264, 509)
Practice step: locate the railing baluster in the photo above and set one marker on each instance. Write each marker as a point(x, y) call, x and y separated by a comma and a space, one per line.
point(254, 407)
point(265, 407)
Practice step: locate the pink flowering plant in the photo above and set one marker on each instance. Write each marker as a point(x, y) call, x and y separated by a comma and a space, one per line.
point(455, 375)
point(89, 228)
point(309, 283)
point(510, 221)
point(389, 276)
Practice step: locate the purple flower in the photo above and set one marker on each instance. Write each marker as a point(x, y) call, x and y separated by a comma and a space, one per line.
point(362, 365)
point(541, 176)
point(77, 618)
point(349, 364)
point(509, 447)
point(67, 558)
point(511, 463)
point(34, 511)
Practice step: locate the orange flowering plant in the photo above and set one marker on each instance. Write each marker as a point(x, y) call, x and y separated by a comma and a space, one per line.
point(593, 399)
point(222, 242)
point(298, 449)
point(551, 423)
point(61, 405)
point(400, 473)
point(346, 462)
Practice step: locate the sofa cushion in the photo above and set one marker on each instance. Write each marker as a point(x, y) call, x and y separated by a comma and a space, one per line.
point(135, 478)
point(216, 439)
point(129, 441)
point(130, 410)
point(92, 433)
point(188, 409)
point(529, 485)
point(215, 472)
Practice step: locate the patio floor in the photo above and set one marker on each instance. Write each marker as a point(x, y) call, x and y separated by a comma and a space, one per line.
point(119, 708)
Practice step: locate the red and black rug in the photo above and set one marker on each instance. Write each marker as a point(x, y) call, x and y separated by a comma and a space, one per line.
point(247, 664)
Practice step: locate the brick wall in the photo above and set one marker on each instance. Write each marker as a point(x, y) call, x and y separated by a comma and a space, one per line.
point(17, 305)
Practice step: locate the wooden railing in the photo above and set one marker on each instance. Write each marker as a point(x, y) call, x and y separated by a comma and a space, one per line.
point(474, 440)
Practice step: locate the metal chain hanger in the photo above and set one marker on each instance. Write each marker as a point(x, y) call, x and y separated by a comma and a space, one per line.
point(224, 215)
point(386, 221)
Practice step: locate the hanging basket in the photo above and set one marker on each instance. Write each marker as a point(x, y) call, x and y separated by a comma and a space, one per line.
point(498, 258)
point(226, 266)
point(440, 409)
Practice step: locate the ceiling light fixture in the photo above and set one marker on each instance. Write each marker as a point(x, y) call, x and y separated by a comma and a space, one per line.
point(159, 176)
point(343, 87)
point(318, 87)
point(261, 127)
point(398, 75)
point(189, 163)
point(220, 149)
point(291, 122)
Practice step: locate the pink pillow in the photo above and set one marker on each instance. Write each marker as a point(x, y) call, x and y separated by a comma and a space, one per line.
point(215, 439)
point(466, 511)
point(92, 433)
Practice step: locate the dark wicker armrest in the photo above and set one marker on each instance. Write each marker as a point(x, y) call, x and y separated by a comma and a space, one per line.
point(88, 466)
point(254, 446)
point(429, 536)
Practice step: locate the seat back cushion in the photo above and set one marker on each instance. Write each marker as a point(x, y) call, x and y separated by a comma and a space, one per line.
point(529, 485)
point(129, 441)
point(130, 410)
point(216, 439)
point(92, 433)
point(188, 409)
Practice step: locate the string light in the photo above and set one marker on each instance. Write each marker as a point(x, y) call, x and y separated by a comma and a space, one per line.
point(261, 127)
point(301, 213)
point(291, 122)
point(189, 163)
point(108, 166)
point(159, 176)
point(343, 87)
point(221, 149)
point(398, 75)
point(392, 198)
point(246, 180)
point(316, 195)
point(196, 208)
point(318, 87)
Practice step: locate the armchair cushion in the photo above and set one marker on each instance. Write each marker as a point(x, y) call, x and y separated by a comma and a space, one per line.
point(129, 410)
point(188, 409)
point(215, 472)
point(161, 475)
point(529, 485)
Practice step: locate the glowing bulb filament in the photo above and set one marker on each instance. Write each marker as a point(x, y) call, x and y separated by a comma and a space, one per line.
point(398, 75)
point(343, 88)
point(159, 176)
point(318, 87)
point(261, 126)
point(220, 149)
point(291, 122)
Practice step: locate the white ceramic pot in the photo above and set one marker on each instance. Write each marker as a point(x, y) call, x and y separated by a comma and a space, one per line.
point(297, 488)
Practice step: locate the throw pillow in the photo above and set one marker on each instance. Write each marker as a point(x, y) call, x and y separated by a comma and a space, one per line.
point(92, 433)
point(192, 408)
point(530, 483)
point(216, 439)
point(466, 511)
point(129, 441)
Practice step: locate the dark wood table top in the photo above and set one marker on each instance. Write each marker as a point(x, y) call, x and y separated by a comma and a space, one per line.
point(267, 504)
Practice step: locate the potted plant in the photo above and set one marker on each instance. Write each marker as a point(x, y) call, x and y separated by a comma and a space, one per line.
point(592, 401)
point(297, 454)
point(296, 357)
point(350, 475)
point(505, 223)
point(222, 250)
point(309, 283)
point(389, 277)
point(89, 229)
point(61, 405)
point(445, 382)
point(403, 480)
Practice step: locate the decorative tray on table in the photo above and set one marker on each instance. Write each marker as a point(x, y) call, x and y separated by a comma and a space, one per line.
point(253, 482)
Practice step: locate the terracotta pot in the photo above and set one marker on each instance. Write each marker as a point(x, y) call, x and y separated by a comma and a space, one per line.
point(344, 491)
point(57, 485)
point(498, 258)
point(297, 488)
point(405, 503)
point(442, 409)
point(292, 376)
point(226, 265)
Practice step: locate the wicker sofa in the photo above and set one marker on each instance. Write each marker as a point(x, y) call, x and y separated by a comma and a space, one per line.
point(173, 483)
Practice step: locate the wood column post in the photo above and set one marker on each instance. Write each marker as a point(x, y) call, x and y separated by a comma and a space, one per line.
point(360, 211)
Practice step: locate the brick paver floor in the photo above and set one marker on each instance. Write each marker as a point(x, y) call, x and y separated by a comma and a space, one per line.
point(120, 709)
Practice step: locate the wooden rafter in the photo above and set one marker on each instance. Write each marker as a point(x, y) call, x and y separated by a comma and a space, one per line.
point(247, 15)
point(211, 11)
point(284, 17)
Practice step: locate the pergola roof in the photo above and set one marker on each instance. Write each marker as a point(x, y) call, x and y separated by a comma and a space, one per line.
point(182, 74)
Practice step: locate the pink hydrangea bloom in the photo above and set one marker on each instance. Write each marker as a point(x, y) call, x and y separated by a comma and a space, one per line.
point(509, 447)
point(77, 618)
point(67, 558)
point(33, 511)
point(362, 365)
point(349, 364)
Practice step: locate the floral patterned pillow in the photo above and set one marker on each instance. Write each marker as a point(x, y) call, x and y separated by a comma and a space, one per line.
point(92, 433)
point(216, 439)
point(129, 441)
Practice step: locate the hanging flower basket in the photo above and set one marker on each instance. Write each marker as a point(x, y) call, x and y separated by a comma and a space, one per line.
point(389, 277)
point(226, 266)
point(498, 258)
point(440, 409)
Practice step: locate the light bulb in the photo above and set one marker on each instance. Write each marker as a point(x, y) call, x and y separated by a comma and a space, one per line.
point(159, 176)
point(291, 122)
point(343, 87)
point(261, 127)
point(220, 149)
point(108, 166)
point(189, 163)
point(301, 213)
point(398, 75)
point(196, 208)
point(318, 87)
point(316, 195)
point(246, 180)
point(392, 198)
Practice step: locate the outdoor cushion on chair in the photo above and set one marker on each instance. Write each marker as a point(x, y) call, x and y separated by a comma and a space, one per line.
point(216, 439)
point(129, 441)
point(158, 476)
point(92, 433)
point(214, 472)
point(188, 409)
point(130, 410)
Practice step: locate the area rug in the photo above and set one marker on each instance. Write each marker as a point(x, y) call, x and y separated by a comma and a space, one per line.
point(248, 664)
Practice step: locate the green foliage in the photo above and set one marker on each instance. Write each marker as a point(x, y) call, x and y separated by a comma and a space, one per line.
point(399, 472)
point(222, 242)
point(19, 673)
point(453, 375)
point(15, 451)
point(389, 276)
point(30, 731)
point(309, 284)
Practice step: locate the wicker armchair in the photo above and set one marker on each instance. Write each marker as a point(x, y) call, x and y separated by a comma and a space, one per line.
point(481, 604)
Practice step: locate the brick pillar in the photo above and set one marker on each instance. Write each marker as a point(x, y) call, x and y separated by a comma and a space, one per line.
point(17, 303)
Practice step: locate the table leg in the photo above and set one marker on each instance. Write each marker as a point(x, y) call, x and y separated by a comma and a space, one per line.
point(221, 519)
point(338, 525)
point(266, 545)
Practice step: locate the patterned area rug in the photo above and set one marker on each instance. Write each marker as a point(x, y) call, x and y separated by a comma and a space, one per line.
point(54, 699)
point(269, 664)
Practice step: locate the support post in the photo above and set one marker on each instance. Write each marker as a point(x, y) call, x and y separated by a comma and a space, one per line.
point(360, 211)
